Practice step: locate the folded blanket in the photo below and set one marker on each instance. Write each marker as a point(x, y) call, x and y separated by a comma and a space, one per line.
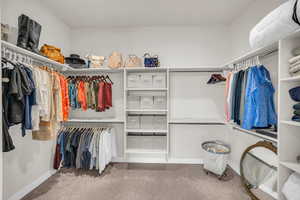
point(275, 26)
point(295, 64)
point(294, 60)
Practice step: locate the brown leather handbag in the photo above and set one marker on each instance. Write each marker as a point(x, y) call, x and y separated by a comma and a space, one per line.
point(53, 53)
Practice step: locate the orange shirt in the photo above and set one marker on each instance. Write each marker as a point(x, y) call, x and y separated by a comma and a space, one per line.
point(81, 95)
point(65, 97)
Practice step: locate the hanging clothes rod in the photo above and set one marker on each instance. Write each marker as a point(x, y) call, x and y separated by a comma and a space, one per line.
point(11, 48)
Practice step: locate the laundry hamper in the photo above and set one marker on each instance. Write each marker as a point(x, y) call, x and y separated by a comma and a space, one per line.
point(216, 155)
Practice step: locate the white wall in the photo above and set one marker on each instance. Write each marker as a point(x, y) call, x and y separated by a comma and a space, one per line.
point(54, 31)
point(176, 46)
point(31, 159)
point(245, 21)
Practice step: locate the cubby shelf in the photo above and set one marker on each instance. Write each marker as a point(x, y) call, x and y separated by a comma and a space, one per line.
point(146, 89)
point(292, 166)
point(146, 151)
point(147, 110)
point(291, 123)
point(145, 131)
point(291, 79)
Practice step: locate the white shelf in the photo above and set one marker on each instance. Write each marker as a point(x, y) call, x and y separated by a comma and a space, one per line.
point(94, 70)
point(292, 166)
point(196, 121)
point(94, 121)
point(146, 89)
point(257, 52)
point(62, 67)
point(145, 131)
point(291, 123)
point(197, 69)
point(147, 110)
point(291, 79)
point(253, 133)
point(146, 69)
point(146, 151)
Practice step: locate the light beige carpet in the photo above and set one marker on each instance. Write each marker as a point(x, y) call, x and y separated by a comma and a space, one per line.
point(140, 182)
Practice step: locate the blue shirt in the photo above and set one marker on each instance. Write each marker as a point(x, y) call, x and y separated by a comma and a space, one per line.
point(259, 99)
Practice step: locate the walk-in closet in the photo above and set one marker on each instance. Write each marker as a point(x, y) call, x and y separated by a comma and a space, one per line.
point(152, 100)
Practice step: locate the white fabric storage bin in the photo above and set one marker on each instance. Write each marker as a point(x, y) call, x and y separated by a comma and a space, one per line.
point(133, 102)
point(215, 157)
point(133, 122)
point(160, 102)
point(133, 81)
point(159, 81)
point(159, 122)
point(146, 122)
point(147, 102)
point(146, 80)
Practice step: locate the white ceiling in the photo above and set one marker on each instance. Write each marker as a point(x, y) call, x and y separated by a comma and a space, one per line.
point(128, 13)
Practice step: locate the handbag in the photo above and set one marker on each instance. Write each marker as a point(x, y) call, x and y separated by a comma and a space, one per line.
point(151, 61)
point(53, 53)
point(133, 61)
point(115, 60)
point(95, 61)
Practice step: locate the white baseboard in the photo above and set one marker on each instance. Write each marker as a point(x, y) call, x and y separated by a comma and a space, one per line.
point(27, 189)
point(158, 160)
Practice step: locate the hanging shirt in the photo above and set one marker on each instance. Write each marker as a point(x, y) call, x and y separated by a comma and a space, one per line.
point(81, 95)
point(259, 102)
point(101, 97)
point(108, 95)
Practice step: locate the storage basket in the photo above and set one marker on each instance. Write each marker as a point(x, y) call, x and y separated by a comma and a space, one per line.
point(216, 155)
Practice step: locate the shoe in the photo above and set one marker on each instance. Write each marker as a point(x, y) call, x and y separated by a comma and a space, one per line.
point(23, 32)
point(34, 36)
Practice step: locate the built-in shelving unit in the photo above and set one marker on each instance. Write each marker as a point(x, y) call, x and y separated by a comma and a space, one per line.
point(145, 142)
point(289, 137)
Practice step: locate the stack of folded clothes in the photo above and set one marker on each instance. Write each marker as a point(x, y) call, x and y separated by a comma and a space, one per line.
point(295, 95)
point(295, 63)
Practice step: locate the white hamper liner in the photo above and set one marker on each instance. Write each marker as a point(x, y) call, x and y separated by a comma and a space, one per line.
point(216, 155)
